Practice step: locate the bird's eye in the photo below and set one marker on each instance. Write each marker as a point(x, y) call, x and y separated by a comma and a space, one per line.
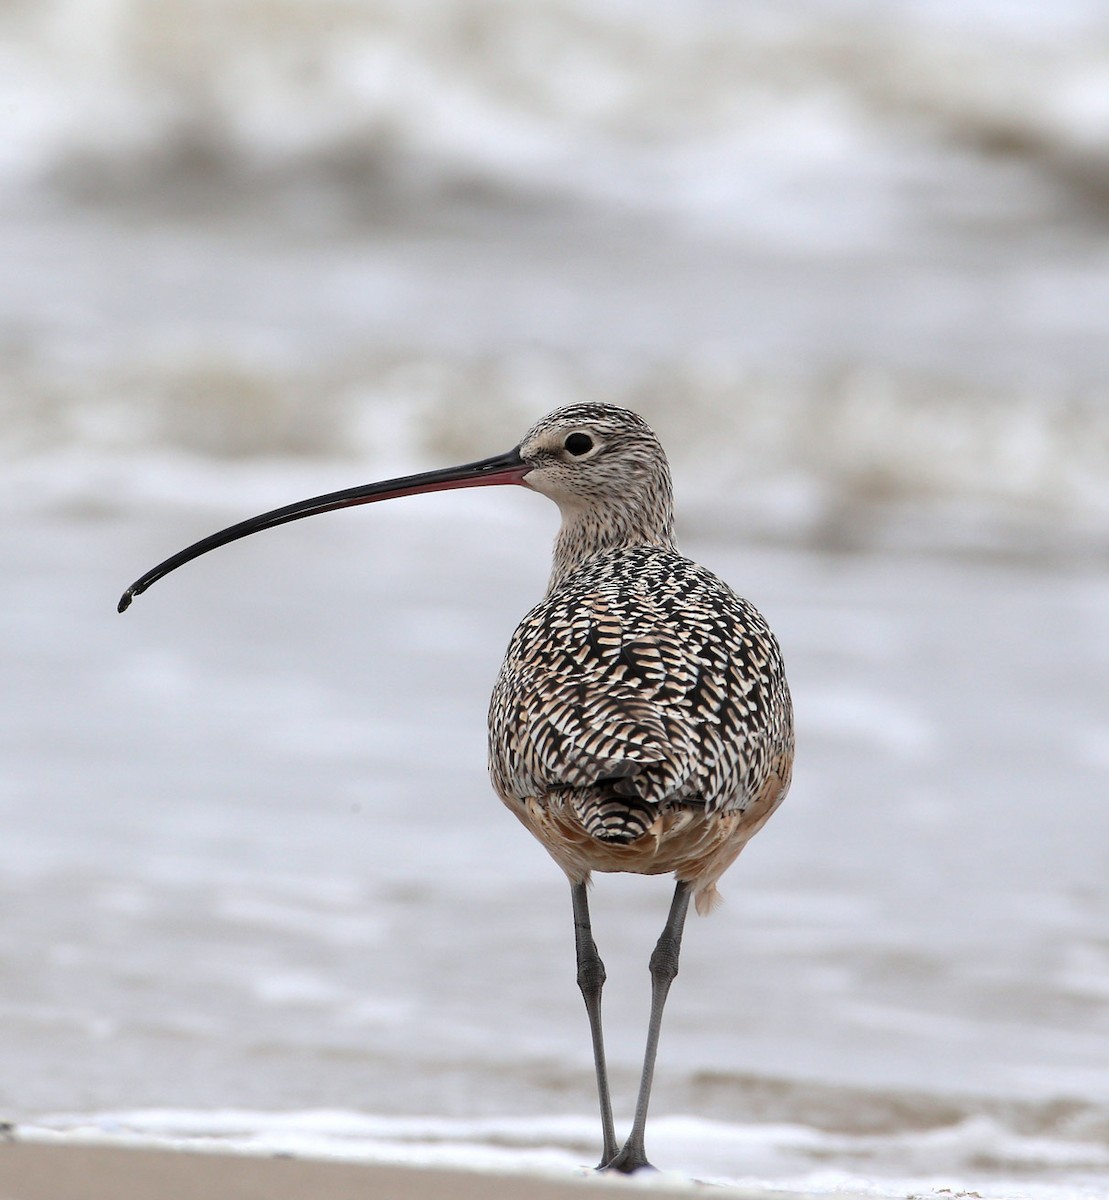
point(578, 444)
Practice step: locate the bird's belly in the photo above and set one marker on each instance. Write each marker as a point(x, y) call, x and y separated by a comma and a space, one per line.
point(698, 847)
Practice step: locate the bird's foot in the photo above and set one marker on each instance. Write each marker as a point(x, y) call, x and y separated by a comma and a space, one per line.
point(628, 1160)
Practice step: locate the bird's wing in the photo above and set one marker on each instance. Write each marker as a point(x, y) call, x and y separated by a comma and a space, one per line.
point(619, 684)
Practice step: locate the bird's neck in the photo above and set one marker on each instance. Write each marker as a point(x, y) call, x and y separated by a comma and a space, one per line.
point(588, 531)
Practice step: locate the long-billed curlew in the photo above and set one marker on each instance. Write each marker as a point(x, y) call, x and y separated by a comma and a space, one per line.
point(641, 720)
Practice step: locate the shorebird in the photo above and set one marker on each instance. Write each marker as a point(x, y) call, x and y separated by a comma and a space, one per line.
point(641, 720)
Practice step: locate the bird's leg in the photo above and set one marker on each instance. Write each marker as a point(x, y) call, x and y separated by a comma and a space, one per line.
point(591, 978)
point(664, 969)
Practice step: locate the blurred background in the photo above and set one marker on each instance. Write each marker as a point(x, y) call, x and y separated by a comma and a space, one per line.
point(851, 259)
point(855, 248)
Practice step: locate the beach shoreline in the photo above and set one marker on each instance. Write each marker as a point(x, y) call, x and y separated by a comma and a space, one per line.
point(51, 1169)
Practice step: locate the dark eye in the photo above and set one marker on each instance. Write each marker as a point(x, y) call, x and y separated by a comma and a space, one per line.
point(578, 444)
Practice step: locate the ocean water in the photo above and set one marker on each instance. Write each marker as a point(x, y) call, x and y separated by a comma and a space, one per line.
point(850, 260)
point(855, 250)
point(251, 862)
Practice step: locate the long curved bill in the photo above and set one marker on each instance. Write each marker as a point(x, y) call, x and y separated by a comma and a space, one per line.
point(488, 472)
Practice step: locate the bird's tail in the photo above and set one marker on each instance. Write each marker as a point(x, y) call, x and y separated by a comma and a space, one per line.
point(609, 815)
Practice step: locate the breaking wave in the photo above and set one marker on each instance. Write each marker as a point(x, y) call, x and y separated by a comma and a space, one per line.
point(806, 130)
point(689, 108)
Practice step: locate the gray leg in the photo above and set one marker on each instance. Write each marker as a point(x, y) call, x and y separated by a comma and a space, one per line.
point(591, 978)
point(664, 969)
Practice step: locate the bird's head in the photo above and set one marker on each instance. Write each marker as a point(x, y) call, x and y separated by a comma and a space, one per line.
point(596, 457)
point(607, 472)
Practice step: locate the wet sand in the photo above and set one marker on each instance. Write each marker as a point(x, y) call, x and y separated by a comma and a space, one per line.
point(38, 1171)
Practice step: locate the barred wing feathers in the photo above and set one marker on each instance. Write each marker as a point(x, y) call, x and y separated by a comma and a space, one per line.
point(642, 682)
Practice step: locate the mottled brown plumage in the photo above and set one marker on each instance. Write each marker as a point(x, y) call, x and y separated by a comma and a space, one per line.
point(641, 720)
